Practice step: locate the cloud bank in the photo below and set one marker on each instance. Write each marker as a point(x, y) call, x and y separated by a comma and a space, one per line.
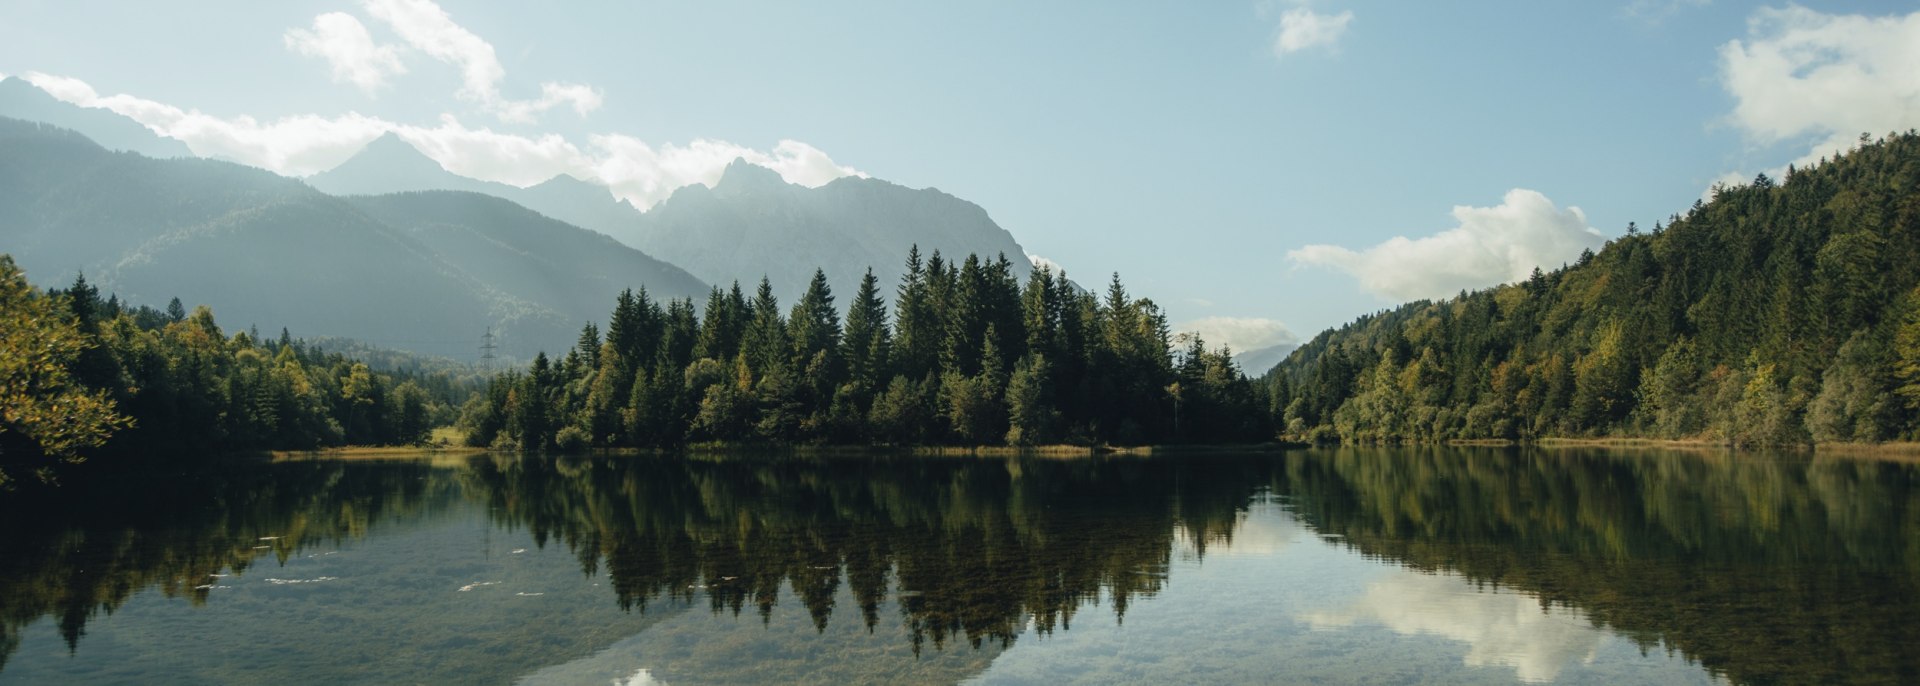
point(1242, 334)
point(302, 145)
point(1489, 246)
point(1804, 75)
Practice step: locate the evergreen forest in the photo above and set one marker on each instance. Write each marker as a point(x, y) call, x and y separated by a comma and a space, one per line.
point(1782, 312)
point(967, 354)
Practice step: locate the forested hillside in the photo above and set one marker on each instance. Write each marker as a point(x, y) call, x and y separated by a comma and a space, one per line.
point(88, 378)
point(1784, 311)
point(968, 355)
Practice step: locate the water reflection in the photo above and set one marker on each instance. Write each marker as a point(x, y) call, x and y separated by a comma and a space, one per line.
point(1501, 628)
point(973, 550)
point(1764, 569)
point(1533, 564)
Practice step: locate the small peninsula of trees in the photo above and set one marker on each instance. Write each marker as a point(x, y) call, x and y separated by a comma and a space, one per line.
point(966, 355)
point(1782, 312)
point(87, 378)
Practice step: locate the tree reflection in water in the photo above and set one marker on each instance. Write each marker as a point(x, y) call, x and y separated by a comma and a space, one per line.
point(1761, 568)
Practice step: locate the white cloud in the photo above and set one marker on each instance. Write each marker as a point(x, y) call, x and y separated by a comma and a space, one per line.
point(296, 145)
point(1501, 628)
point(307, 144)
point(428, 28)
point(1491, 245)
point(1806, 76)
point(1242, 334)
point(346, 45)
point(1302, 28)
point(644, 175)
point(1039, 262)
point(488, 155)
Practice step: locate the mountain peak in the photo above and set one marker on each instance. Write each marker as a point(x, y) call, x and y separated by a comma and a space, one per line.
point(742, 176)
point(389, 148)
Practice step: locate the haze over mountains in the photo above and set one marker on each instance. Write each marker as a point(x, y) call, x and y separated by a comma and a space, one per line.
point(414, 271)
point(752, 223)
point(22, 100)
point(417, 257)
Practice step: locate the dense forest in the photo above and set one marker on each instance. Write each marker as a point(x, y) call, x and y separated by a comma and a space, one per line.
point(968, 355)
point(87, 378)
point(1781, 312)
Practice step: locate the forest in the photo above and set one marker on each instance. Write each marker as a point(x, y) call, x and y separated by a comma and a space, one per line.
point(87, 379)
point(1782, 312)
point(967, 354)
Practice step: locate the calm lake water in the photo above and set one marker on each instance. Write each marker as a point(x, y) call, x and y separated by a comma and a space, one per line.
point(1430, 565)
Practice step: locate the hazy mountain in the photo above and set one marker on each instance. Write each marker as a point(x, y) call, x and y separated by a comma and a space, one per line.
point(391, 165)
point(751, 223)
point(1259, 361)
point(519, 251)
point(427, 271)
point(25, 101)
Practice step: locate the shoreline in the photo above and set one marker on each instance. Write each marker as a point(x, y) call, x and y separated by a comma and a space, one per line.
point(1053, 450)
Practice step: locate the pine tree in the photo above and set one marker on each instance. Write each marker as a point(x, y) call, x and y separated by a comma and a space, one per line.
point(865, 345)
point(765, 341)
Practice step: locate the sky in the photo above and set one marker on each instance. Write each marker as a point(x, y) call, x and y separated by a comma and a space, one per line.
point(1263, 170)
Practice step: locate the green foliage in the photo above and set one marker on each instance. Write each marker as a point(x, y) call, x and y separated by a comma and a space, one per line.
point(46, 415)
point(86, 376)
point(972, 358)
point(1771, 315)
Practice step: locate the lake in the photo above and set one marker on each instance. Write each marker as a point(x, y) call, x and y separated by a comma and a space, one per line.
point(1378, 566)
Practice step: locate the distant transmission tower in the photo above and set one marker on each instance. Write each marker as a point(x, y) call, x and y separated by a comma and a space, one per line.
point(486, 350)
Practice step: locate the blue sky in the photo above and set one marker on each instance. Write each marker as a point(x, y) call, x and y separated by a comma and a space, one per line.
point(1199, 149)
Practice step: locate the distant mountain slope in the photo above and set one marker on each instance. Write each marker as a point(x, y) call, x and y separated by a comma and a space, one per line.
point(424, 272)
point(390, 165)
point(1781, 312)
point(25, 101)
point(519, 251)
point(752, 223)
point(1261, 360)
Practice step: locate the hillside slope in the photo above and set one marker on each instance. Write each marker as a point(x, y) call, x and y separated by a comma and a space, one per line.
point(1781, 312)
point(424, 272)
point(753, 224)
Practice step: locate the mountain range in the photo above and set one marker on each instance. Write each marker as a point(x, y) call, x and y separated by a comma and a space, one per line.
point(750, 224)
point(418, 257)
point(427, 271)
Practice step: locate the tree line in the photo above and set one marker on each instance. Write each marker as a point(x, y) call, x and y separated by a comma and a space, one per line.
point(965, 354)
point(1781, 312)
point(89, 378)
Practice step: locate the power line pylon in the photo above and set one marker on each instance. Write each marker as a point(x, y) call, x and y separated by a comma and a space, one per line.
point(486, 350)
